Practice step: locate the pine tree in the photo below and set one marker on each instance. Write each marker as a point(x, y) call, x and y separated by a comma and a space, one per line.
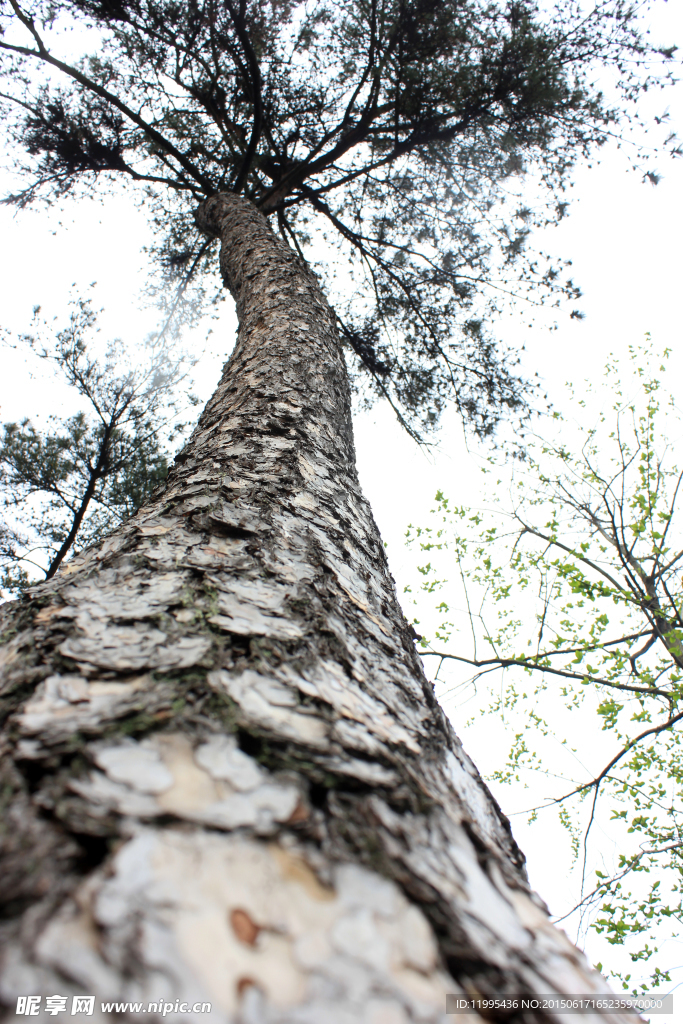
point(67, 484)
point(226, 778)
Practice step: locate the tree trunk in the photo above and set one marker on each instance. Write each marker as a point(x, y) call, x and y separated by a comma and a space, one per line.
point(226, 778)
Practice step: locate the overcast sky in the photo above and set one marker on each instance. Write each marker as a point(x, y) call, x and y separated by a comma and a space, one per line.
point(622, 235)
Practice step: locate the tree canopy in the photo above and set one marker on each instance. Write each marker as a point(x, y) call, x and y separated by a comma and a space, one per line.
point(392, 130)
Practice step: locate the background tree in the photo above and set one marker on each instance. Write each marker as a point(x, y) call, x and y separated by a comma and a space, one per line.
point(575, 578)
point(393, 134)
point(67, 486)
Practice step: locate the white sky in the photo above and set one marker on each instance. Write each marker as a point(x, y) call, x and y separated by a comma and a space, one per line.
point(623, 236)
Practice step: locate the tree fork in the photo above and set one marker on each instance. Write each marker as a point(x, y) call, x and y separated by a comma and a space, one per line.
point(227, 778)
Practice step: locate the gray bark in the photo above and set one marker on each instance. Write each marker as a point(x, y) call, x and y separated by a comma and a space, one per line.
point(225, 775)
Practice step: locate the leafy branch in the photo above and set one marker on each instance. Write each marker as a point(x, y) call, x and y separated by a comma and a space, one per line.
point(573, 581)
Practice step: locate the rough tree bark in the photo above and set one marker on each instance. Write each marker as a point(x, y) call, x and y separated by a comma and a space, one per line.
point(225, 775)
